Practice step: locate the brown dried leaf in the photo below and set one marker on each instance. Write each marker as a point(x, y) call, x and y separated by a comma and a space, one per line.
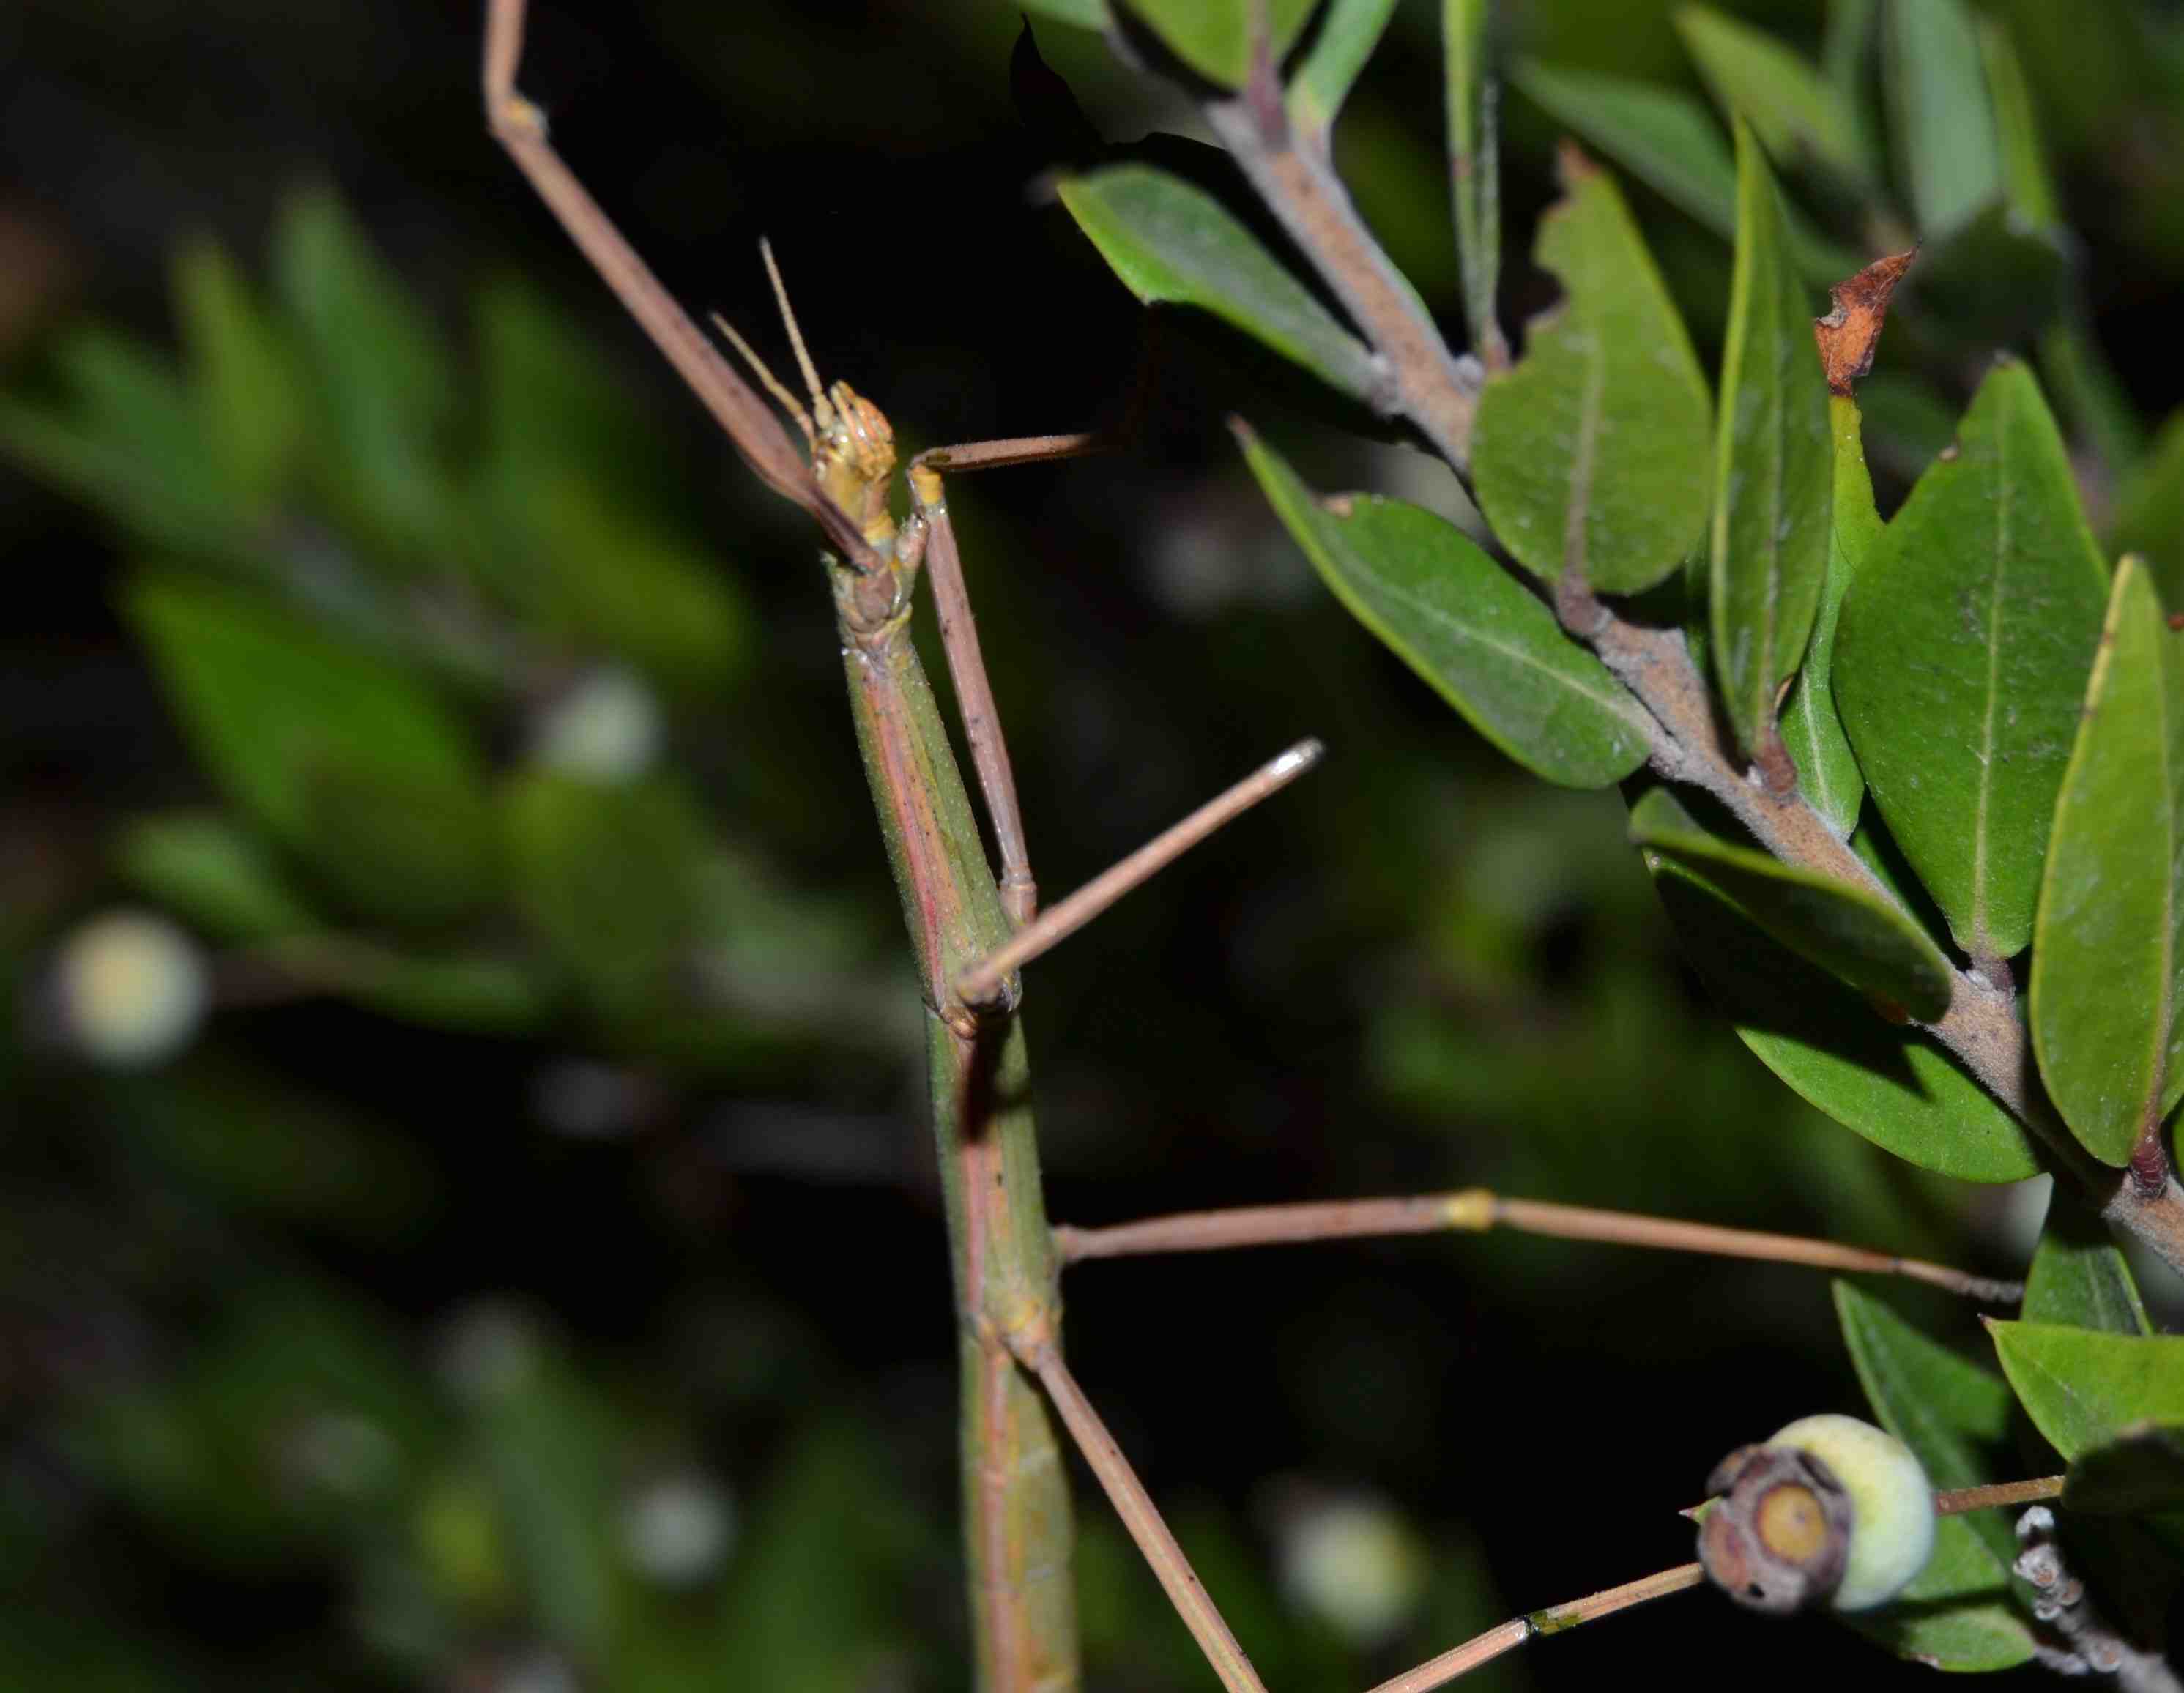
point(1848, 335)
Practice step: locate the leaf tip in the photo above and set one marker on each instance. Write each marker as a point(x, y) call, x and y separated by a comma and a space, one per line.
point(1848, 335)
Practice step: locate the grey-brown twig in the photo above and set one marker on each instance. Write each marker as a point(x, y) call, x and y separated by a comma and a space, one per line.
point(1475, 1210)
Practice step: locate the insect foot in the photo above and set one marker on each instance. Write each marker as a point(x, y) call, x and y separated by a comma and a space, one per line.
point(1830, 1510)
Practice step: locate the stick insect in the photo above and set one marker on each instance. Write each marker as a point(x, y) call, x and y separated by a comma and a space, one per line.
point(973, 926)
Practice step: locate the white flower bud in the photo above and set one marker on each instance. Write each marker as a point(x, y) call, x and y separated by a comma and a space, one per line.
point(131, 987)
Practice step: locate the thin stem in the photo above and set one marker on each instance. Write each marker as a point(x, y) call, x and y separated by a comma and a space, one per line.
point(1475, 1210)
point(1957, 1501)
point(1483, 1648)
point(1142, 1517)
point(979, 984)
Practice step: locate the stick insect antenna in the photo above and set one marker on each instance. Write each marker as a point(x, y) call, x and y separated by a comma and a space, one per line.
point(774, 385)
point(788, 320)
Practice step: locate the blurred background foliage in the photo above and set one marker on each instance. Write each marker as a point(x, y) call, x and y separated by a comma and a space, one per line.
point(464, 1221)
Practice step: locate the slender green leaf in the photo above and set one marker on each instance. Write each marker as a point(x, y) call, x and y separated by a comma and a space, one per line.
point(475, 993)
point(2028, 182)
point(1669, 141)
point(2082, 1388)
point(2078, 1276)
point(1954, 1416)
point(1774, 467)
point(2106, 1011)
point(1090, 15)
point(1343, 41)
point(216, 876)
point(1474, 164)
point(1827, 769)
point(1845, 930)
point(1213, 37)
point(1849, 34)
point(1943, 127)
point(244, 378)
point(1591, 455)
point(1169, 241)
point(1961, 658)
point(1461, 622)
point(1798, 118)
point(1887, 1080)
point(2142, 1470)
point(2149, 513)
point(310, 736)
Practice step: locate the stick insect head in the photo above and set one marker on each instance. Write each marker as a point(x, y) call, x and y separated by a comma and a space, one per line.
point(851, 441)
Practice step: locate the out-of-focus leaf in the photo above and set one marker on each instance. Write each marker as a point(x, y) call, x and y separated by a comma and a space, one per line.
point(1888, 1082)
point(2149, 513)
point(2078, 1278)
point(1908, 423)
point(1991, 279)
point(1669, 141)
point(1773, 472)
point(2108, 958)
point(129, 442)
point(1457, 619)
point(1475, 157)
point(1591, 455)
point(1169, 241)
point(2139, 1472)
point(300, 728)
point(610, 878)
point(1845, 930)
point(553, 408)
point(1943, 127)
point(1961, 659)
point(1954, 1416)
point(478, 993)
point(2083, 1388)
point(1213, 36)
point(2027, 181)
point(1341, 44)
point(214, 875)
point(587, 567)
point(812, 1610)
point(1797, 117)
point(244, 378)
point(547, 1444)
point(1090, 15)
point(1827, 769)
point(384, 381)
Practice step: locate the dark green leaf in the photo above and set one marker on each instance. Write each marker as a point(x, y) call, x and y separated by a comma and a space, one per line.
point(1961, 659)
point(1669, 141)
point(1091, 15)
point(1855, 934)
point(1591, 455)
point(1888, 1082)
point(1341, 44)
point(2028, 183)
point(1797, 117)
point(475, 993)
point(611, 878)
point(1991, 280)
point(2149, 515)
point(1474, 149)
point(1954, 1416)
point(244, 378)
point(1943, 127)
point(2078, 1277)
point(307, 734)
point(2082, 1388)
point(1213, 37)
point(214, 875)
point(1169, 241)
point(1827, 769)
point(1458, 618)
point(2141, 1471)
point(1774, 467)
point(2108, 955)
